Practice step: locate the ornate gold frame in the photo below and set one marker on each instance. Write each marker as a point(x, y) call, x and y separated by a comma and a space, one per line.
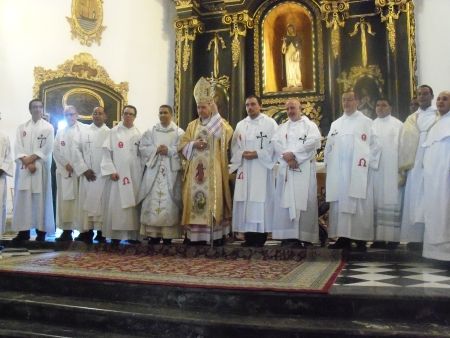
point(85, 91)
point(82, 66)
point(349, 80)
point(94, 17)
point(318, 54)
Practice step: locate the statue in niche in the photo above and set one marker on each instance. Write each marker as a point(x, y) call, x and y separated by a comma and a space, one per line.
point(290, 49)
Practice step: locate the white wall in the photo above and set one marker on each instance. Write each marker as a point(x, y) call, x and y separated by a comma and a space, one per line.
point(433, 43)
point(137, 46)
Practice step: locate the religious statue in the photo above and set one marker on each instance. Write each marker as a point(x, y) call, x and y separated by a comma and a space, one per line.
point(291, 61)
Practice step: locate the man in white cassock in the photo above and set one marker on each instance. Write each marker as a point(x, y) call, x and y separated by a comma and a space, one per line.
point(33, 206)
point(121, 162)
point(295, 218)
point(253, 158)
point(351, 154)
point(88, 154)
point(161, 185)
point(6, 169)
point(436, 168)
point(387, 194)
point(414, 133)
point(67, 180)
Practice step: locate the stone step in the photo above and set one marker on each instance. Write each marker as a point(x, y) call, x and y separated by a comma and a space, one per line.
point(131, 319)
point(342, 302)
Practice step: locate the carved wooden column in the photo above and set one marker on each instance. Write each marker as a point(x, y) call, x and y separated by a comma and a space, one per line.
point(187, 26)
point(239, 22)
point(390, 11)
point(334, 13)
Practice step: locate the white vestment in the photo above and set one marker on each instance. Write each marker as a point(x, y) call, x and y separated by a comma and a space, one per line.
point(387, 194)
point(160, 190)
point(88, 154)
point(412, 227)
point(121, 155)
point(7, 165)
point(254, 187)
point(436, 168)
point(351, 153)
point(33, 206)
point(295, 211)
point(67, 200)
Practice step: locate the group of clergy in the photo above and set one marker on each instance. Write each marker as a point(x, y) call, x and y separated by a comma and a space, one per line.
point(386, 181)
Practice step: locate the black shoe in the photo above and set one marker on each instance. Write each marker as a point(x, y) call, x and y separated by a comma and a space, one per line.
point(66, 236)
point(167, 241)
point(99, 237)
point(360, 246)
point(306, 244)
point(392, 245)
point(218, 242)
point(115, 242)
point(378, 245)
point(40, 236)
point(290, 243)
point(86, 237)
point(414, 246)
point(22, 236)
point(196, 243)
point(154, 240)
point(341, 243)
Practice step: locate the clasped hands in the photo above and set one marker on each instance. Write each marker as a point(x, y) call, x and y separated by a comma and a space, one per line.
point(162, 150)
point(290, 160)
point(249, 155)
point(30, 162)
point(200, 145)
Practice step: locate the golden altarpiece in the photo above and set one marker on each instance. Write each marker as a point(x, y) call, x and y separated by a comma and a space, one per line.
point(309, 49)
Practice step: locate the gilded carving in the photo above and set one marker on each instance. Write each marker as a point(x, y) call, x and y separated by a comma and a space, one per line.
point(348, 80)
point(187, 30)
point(334, 13)
point(183, 4)
point(82, 66)
point(215, 44)
point(364, 27)
point(86, 21)
point(412, 47)
point(390, 11)
point(239, 23)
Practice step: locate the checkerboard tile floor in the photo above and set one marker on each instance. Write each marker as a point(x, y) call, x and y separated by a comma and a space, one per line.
point(409, 275)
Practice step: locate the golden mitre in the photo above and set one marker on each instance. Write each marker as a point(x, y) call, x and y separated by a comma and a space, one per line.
point(203, 91)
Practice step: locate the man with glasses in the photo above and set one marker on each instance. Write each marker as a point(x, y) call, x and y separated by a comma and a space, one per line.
point(351, 153)
point(121, 162)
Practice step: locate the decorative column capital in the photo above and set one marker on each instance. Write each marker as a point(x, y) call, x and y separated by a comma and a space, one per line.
point(186, 32)
point(389, 11)
point(334, 13)
point(239, 22)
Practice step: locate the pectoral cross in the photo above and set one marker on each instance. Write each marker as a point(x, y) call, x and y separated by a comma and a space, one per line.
point(334, 133)
point(303, 139)
point(137, 148)
point(41, 138)
point(262, 138)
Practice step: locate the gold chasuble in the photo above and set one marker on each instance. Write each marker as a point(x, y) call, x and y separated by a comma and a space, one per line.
point(206, 189)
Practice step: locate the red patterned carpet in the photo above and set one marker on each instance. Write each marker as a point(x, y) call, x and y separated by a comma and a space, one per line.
point(307, 275)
